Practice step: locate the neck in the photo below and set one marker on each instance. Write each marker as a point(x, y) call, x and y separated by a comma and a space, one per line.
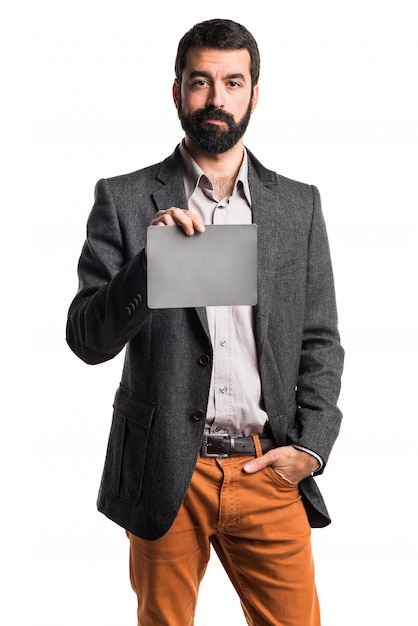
point(218, 166)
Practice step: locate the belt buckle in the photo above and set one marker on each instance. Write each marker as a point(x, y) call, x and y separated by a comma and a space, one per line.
point(215, 455)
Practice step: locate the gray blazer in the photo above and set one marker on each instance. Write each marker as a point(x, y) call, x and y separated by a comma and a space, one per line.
point(159, 408)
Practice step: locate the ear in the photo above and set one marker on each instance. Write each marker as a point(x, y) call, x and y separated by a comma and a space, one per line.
point(176, 93)
point(254, 98)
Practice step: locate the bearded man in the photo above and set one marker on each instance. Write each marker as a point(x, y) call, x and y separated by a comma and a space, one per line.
point(223, 414)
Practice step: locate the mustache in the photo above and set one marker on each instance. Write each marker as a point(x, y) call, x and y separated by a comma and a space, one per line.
point(211, 113)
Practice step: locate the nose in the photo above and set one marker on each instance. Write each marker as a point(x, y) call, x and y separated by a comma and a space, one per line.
point(215, 97)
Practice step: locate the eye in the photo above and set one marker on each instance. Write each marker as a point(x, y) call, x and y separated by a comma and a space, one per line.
point(234, 84)
point(200, 83)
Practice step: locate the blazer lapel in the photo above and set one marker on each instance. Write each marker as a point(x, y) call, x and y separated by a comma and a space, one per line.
point(170, 194)
point(269, 216)
point(265, 207)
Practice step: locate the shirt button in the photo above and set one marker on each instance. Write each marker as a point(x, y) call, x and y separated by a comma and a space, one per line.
point(223, 389)
point(223, 342)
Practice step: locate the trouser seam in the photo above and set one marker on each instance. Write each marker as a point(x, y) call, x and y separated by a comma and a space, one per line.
point(248, 604)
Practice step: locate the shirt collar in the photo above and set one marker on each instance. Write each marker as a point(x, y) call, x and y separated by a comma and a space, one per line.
point(193, 174)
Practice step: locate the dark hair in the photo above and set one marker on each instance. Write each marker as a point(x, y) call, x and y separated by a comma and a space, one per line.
point(219, 35)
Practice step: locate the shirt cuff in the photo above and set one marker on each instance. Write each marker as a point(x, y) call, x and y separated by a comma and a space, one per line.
point(314, 454)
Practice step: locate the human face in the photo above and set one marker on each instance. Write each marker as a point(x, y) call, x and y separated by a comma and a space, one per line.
point(215, 99)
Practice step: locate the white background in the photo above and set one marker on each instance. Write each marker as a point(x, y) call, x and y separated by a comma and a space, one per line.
point(86, 93)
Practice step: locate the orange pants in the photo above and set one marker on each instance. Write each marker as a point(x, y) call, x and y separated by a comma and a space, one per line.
point(258, 526)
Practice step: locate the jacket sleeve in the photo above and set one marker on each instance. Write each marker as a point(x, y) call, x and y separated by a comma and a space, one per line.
point(110, 305)
point(321, 364)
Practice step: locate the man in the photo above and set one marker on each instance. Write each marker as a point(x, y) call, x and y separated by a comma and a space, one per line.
point(223, 414)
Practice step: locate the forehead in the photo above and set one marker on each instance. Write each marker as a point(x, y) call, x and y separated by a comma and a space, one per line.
point(217, 61)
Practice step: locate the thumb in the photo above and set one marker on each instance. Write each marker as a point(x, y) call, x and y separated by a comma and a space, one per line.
point(257, 464)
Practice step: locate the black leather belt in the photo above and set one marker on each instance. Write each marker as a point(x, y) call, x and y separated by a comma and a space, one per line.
point(233, 445)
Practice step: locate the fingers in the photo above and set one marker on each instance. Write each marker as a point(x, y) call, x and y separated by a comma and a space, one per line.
point(274, 459)
point(259, 463)
point(187, 220)
point(291, 464)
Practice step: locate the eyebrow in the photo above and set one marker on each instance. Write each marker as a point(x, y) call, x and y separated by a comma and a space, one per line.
point(198, 74)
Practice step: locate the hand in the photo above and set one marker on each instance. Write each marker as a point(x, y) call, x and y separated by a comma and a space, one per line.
point(187, 220)
point(290, 463)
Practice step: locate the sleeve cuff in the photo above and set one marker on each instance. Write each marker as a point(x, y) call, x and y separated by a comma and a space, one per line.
point(314, 454)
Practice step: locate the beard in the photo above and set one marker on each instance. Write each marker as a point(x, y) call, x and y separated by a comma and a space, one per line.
point(211, 137)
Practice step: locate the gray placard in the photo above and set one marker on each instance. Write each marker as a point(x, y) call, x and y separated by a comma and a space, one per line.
point(215, 268)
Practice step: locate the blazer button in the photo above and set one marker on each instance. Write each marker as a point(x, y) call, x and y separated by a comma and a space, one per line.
point(204, 359)
point(198, 415)
point(128, 310)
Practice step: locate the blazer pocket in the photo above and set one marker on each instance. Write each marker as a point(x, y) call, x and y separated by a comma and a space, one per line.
point(283, 423)
point(125, 458)
point(292, 266)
